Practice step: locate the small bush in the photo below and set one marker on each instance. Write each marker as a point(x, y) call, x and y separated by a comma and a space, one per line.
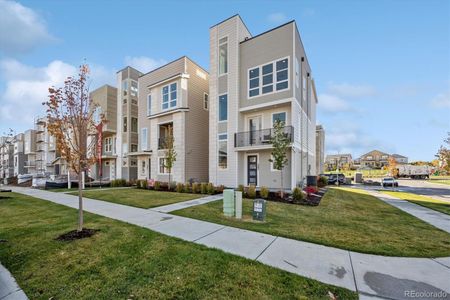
point(322, 181)
point(179, 188)
point(171, 186)
point(187, 187)
point(203, 188)
point(251, 192)
point(241, 188)
point(310, 190)
point(118, 182)
point(144, 184)
point(211, 189)
point(297, 194)
point(264, 192)
point(195, 188)
point(139, 184)
point(220, 188)
point(157, 186)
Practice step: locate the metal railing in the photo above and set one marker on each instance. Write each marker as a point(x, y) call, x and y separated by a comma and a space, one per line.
point(260, 137)
point(162, 141)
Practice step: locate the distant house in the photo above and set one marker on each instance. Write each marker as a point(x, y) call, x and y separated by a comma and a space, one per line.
point(400, 158)
point(376, 159)
point(332, 161)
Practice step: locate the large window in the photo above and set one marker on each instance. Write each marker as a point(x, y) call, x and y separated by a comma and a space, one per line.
point(223, 108)
point(281, 116)
point(134, 88)
point(223, 56)
point(223, 154)
point(162, 164)
point(169, 96)
point(125, 124)
point(125, 87)
point(134, 125)
point(108, 144)
point(149, 104)
point(268, 78)
point(144, 139)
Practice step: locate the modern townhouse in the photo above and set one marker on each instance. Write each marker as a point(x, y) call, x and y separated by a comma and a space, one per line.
point(106, 99)
point(174, 98)
point(48, 161)
point(19, 154)
point(127, 123)
point(30, 151)
point(6, 158)
point(255, 81)
point(320, 149)
point(334, 161)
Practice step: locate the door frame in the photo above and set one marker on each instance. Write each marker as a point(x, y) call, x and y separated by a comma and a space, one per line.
point(246, 168)
point(247, 120)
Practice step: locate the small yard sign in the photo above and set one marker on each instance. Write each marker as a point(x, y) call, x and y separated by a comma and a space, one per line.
point(259, 209)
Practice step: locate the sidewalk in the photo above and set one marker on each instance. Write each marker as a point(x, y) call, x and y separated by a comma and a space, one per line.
point(371, 276)
point(9, 289)
point(186, 204)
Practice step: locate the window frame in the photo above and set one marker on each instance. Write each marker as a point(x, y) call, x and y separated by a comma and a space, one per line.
point(279, 112)
point(132, 88)
point(274, 78)
point(144, 137)
point(205, 101)
point(218, 108)
point(132, 127)
point(159, 166)
point(169, 96)
point(108, 144)
point(218, 55)
point(219, 167)
point(132, 146)
point(149, 104)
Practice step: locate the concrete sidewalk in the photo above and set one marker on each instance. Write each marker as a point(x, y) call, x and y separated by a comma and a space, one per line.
point(186, 204)
point(9, 289)
point(370, 275)
point(435, 218)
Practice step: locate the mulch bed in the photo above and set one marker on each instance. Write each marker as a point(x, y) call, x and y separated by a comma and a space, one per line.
point(76, 235)
point(310, 200)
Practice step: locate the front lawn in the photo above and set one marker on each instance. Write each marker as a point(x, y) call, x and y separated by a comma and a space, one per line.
point(138, 197)
point(123, 261)
point(438, 205)
point(441, 181)
point(344, 219)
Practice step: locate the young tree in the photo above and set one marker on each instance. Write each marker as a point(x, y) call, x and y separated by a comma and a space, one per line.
point(280, 143)
point(392, 166)
point(171, 154)
point(443, 155)
point(70, 120)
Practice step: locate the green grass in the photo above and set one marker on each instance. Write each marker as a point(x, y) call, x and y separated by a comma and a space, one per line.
point(124, 261)
point(62, 190)
point(344, 219)
point(139, 198)
point(366, 173)
point(425, 201)
point(440, 181)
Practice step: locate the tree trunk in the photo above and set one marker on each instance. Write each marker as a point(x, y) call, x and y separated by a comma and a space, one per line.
point(80, 204)
point(282, 185)
point(168, 188)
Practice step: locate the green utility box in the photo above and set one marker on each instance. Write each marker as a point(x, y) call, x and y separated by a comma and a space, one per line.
point(259, 209)
point(228, 203)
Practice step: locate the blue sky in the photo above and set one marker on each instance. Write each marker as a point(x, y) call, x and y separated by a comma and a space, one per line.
point(382, 68)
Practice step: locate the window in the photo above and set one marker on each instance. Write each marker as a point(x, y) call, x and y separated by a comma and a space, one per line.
point(114, 146)
point(169, 96)
point(223, 108)
point(134, 88)
point(144, 139)
point(134, 125)
point(205, 101)
point(108, 144)
point(261, 80)
point(134, 148)
point(149, 104)
point(223, 136)
point(162, 166)
point(134, 101)
point(125, 87)
point(125, 148)
point(143, 167)
point(223, 154)
point(133, 163)
point(125, 124)
point(304, 90)
point(223, 56)
point(97, 114)
point(297, 73)
point(279, 117)
point(124, 101)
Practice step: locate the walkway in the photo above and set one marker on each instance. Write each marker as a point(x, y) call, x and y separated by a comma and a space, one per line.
point(372, 276)
point(186, 204)
point(435, 218)
point(9, 289)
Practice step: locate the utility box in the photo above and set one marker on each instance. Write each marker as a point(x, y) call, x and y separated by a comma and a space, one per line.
point(238, 204)
point(358, 177)
point(259, 209)
point(228, 203)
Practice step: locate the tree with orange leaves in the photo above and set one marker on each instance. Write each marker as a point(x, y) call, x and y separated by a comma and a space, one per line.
point(392, 167)
point(70, 119)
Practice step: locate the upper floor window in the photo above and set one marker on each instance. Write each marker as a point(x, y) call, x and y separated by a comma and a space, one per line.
point(281, 116)
point(134, 125)
point(223, 107)
point(268, 78)
point(205, 101)
point(134, 88)
point(134, 148)
point(125, 87)
point(169, 96)
point(149, 104)
point(223, 56)
point(125, 124)
point(144, 139)
point(108, 144)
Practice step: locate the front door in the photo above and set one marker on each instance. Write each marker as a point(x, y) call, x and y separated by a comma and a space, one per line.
point(254, 128)
point(252, 170)
point(149, 168)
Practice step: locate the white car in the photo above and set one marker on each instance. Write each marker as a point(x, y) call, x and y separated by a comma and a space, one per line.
point(389, 181)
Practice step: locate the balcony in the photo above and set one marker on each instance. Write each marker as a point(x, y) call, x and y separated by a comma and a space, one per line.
point(259, 137)
point(162, 141)
point(29, 164)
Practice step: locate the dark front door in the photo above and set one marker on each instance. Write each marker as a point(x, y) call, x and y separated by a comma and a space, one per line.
point(252, 170)
point(149, 168)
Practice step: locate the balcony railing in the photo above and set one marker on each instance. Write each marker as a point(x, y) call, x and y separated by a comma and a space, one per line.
point(162, 142)
point(260, 137)
point(30, 163)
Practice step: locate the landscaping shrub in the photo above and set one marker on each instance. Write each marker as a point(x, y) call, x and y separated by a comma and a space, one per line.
point(251, 192)
point(241, 188)
point(139, 184)
point(211, 189)
point(310, 190)
point(144, 184)
point(118, 182)
point(195, 188)
point(187, 187)
point(179, 188)
point(297, 194)
point(264, 192)
point(171, 186)
point(157, 186)
point(220, 188)
point(322, 181)
point(204, 188)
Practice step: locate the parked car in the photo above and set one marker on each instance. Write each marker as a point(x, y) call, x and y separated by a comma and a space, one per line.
point(389, 181)
point(332, 178)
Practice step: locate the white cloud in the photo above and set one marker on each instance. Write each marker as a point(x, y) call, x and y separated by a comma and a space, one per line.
point(143, 64)
point(441, 100)
point(277, 18)
point(21, 29)
point(332, 103)
point(349, 90)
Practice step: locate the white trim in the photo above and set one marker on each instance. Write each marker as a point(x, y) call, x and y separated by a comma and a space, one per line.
point(168, 112)
point(246, 168)
point(165, 80)
point(169, 100)
point(263, 105)
point(218, 55)
point(144, 136)
point(217, 152)
point(159, 165)
point(218, 108)
point(274, 81)
point(149, 107)
point(247, 118)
